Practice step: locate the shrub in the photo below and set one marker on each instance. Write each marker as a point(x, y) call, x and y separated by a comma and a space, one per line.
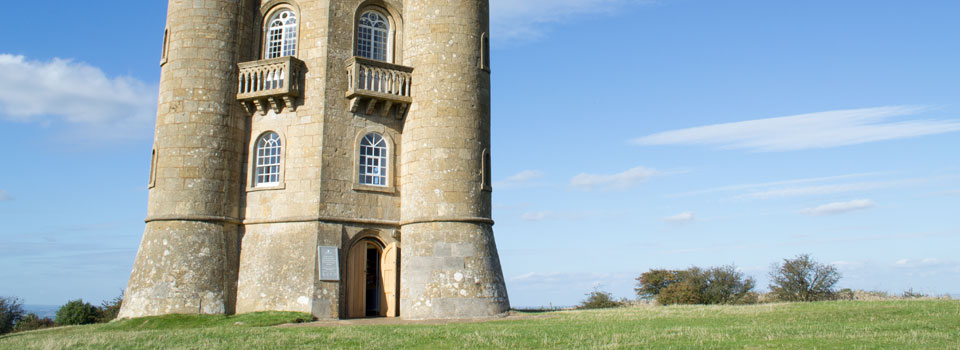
point(650, 283)
point(803, 279)
point(679, 293)
point(11, 311)
point(598, 299)
point(726, 285)
point(716, 285)
point(109, 310)
point(77, 312)
point(32, 322)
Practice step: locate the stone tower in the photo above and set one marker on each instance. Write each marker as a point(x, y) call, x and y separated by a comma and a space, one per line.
point(322, 156)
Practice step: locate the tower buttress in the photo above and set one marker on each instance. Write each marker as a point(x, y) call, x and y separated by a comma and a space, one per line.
point(449, 266)
point(188, 257)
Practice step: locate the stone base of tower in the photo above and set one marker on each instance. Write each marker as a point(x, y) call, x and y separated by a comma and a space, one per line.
point(450, 270)
point(278, 271)
point(183, 267)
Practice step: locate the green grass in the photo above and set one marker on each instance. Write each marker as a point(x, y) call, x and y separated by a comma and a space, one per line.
point(907, 324)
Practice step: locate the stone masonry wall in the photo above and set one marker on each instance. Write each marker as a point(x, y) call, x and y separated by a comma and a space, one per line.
point(450, 267)
point(187, 258)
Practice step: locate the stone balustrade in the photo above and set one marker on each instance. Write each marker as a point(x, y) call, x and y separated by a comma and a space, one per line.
point(380, 85)
point(270, 81)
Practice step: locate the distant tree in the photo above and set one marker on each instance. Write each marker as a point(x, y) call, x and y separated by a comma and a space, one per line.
point(11, 311)
point(109, 309)
point(803, 279)
point(680, 293)
point(77, 312)
point(32, 322)
point(650, 283)
point(726, 285)
point(598, 299)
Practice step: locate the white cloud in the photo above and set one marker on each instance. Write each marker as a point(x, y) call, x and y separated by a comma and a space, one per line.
point(4, 196)
point(519, 179)
point(75, 93)
point(680, 218)
point(808, 131)
point(527, 19)
point(840, 207)
point(536, 216)
point(619, 181)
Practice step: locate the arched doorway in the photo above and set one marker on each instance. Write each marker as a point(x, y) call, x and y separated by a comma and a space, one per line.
point(372, 279)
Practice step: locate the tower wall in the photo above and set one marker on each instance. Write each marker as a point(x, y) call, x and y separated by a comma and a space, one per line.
point(449, 262)
point(188, 257)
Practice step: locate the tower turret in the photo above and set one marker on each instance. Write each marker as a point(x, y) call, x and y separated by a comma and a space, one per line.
point(187, 260)
point(450, 266)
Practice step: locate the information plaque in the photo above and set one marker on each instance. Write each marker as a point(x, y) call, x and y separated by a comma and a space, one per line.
point(329, 264)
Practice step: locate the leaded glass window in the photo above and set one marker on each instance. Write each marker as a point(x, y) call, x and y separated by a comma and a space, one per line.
point(373, 160)
point(282, 34)
point(373, 32)
point(269, 151)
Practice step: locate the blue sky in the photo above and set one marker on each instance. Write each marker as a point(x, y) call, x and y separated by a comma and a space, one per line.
point(627, 135)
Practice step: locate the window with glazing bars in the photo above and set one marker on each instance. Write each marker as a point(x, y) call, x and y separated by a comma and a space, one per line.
point(269, 151)
point(372, 36)
point(373, 160)
point(282, 35)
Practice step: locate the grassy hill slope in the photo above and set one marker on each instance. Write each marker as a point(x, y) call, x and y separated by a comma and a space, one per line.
point(907, 324)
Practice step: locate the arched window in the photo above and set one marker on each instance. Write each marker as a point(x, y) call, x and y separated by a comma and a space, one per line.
point(269, 151)
point(373, 36)
point(373, 160)
point(282, 34)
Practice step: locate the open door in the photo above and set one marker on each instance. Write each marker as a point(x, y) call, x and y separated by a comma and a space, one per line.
point(356, 280)
point(390, 273)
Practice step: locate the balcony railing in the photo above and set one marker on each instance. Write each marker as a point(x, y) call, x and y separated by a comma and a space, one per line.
point(380, 85)
point(270, 81)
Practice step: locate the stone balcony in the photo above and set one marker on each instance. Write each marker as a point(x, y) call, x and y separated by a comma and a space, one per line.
point(275, 82)
point(379, 86)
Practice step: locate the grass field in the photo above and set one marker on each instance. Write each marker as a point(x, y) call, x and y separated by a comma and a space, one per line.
point(907, 324)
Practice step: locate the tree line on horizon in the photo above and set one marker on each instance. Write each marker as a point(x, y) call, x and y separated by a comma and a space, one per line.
point(800, 279)
point(13, 318)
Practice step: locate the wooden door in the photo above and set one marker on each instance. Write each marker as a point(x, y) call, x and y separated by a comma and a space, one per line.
point(356, 280)
point(390, 273)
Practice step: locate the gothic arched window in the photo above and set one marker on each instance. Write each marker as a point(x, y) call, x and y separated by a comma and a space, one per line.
point(281, 34)
point(373, 160)
point(373, 36)
point(269, 151)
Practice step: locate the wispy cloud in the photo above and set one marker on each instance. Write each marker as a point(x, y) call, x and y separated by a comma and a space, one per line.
point(519, 179)
point(78, 94)
point(4, 196)
point(923, 263)
point(529, 19)
point(808, 131)
point(754, 186)
point(840, 207)
point(536, 216)
point(819, 190)
point(681, 218)
point(618, 181)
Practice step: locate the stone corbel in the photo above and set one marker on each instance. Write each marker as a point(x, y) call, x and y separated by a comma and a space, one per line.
point(288, 101)
point(354, 104)
point(386, 108)
point(401, 110)
point(260, 106)
point(249, 107)
point(372, 106)
point(274, 104)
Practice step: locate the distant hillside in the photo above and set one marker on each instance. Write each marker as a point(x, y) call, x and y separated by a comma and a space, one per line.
point(42, 310)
